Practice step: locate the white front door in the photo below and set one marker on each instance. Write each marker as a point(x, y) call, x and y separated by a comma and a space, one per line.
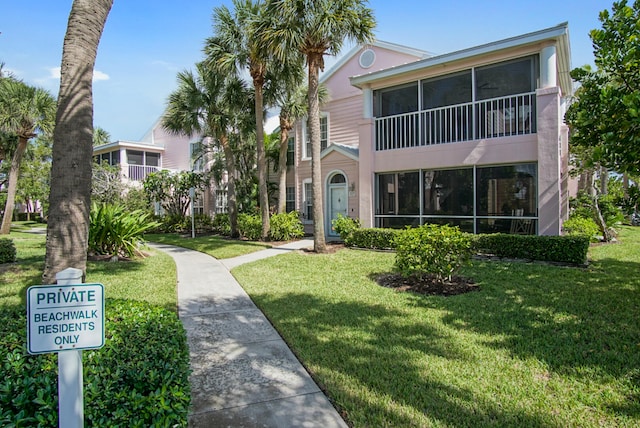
point(337, 204)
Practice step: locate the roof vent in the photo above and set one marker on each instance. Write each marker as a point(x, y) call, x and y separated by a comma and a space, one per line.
point(367, 58)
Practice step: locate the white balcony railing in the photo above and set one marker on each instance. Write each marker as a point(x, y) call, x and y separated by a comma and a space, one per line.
point(138, 172)
point(497, 117)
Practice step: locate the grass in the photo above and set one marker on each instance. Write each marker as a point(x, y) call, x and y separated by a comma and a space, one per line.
point(216, 246)
point(152, 279)
point(538, 346)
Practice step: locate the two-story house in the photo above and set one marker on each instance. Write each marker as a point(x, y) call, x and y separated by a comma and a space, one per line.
point(473, 138)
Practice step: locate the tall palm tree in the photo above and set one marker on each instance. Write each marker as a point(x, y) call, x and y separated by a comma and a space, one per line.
point(24, 112)
point(210, 104)
point(316, 28)
point(100, 136)
point(238, 44)
point(70, 196)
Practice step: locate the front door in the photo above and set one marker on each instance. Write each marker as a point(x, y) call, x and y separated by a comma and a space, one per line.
point(337, 204)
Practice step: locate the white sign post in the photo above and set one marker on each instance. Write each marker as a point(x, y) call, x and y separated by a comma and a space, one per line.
point(66, 318)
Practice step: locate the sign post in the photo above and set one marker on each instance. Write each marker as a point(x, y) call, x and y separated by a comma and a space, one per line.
point(66, 318)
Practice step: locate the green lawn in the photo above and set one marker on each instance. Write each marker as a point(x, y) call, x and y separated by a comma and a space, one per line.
point(538, 346)
point(216, 246)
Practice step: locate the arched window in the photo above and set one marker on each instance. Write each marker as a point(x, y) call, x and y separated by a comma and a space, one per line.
point(338, 179)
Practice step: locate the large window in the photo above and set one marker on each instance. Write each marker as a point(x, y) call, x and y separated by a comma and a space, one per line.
point(324, 136)
point(307, 204)
point(506, 78)
point(447, 90)
point(291, 153)
point(481, 199)
point(290, 199)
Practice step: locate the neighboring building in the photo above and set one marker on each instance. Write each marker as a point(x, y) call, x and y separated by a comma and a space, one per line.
point(158, 150)
point(473, 138)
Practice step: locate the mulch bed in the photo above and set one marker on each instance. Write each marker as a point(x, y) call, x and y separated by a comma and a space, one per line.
point(427, 284)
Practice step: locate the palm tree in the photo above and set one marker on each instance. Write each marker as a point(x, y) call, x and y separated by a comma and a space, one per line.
point(70, 197)
point(24, 112)
point(316, 28)
point(209, 104)
point(293, 103)
point(100, 136)
point(238, 44)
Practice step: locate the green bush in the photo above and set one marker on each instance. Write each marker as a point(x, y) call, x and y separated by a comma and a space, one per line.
point(432, 249)
point(221, 224)
point(581, 226)
point(345, 226)
point(115, 232)
point(7, 251)
point(373, 238)
point(286, 226)
point(562, 249)
point(250, 226)
point(139, 378)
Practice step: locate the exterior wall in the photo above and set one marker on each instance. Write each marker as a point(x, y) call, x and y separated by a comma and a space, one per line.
point(177, 153)
point(343, 114)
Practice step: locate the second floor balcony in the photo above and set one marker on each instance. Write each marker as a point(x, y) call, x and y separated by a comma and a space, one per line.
point(491, 118)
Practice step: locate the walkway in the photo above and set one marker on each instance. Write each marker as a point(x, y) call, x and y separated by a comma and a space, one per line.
point(243, 373)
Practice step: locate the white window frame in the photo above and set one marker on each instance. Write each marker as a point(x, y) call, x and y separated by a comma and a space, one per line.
point(306, 201)
point(305, 135)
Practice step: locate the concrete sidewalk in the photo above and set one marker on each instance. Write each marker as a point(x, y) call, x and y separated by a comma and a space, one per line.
point(243, 373)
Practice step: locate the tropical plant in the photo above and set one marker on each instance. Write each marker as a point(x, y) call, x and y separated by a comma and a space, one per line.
point(214, 105)
point(316, 28)
point(100, 136)
point(345, 226)
point(7, 251)
point(70, 197)
point(115, 232)
point(439, 250)
point(286, 226)
point(250, 226)
point(239, 44)
point(577, 225)
point(25, 111)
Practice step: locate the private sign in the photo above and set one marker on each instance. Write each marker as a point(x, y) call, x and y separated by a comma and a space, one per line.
point(65, 317)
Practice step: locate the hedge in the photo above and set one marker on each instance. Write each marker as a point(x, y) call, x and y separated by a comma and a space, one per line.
point(562, 249)
point(7, 251)
point(140, 378)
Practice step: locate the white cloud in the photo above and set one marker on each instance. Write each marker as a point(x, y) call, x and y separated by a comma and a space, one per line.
point(54, 73)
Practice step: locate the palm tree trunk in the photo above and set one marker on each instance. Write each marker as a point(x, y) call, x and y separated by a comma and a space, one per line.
point(13, 185)
point(282, 165)
point(262, 163)
point(232, 202)
point(319, 242)
point(68, 226)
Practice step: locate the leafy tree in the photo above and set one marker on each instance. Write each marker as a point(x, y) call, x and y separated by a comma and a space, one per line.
point(25, 111)
point(34, 183)
point(214, 105)
point(605, 117)
point(316, 28)
point(172, 190)
point(106, 183)
point(70, 197)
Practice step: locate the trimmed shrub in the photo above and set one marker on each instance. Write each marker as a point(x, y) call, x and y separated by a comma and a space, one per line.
point(562, 249)
point(112, 231)
point(581, 226)
point(250, 226)
point(345, 226)
point(7, 251)
point(221, 224)
point(373, 238)
point(285, 226)
point(438, 250)
point(139, 378)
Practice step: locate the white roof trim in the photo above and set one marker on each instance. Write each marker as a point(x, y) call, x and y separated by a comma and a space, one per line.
point(128, 145)
point(560, 33)
point(335, 147)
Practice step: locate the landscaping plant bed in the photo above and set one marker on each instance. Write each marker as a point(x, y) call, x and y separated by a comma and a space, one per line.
point(427, 284)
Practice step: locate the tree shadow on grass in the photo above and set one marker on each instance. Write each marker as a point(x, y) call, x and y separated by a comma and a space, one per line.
point(365, 338)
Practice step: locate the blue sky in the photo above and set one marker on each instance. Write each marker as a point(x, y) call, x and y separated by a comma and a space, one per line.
point(146, 42)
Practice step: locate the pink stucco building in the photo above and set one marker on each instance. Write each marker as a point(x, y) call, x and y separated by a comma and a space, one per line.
point(473, 138)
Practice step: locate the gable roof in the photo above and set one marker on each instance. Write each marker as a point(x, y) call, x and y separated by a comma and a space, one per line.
point(348, 151)
point(559, 33)
point(418, 53)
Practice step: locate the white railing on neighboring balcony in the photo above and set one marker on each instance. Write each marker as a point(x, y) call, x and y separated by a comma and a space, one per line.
point(139, 172)
point(497, 117)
